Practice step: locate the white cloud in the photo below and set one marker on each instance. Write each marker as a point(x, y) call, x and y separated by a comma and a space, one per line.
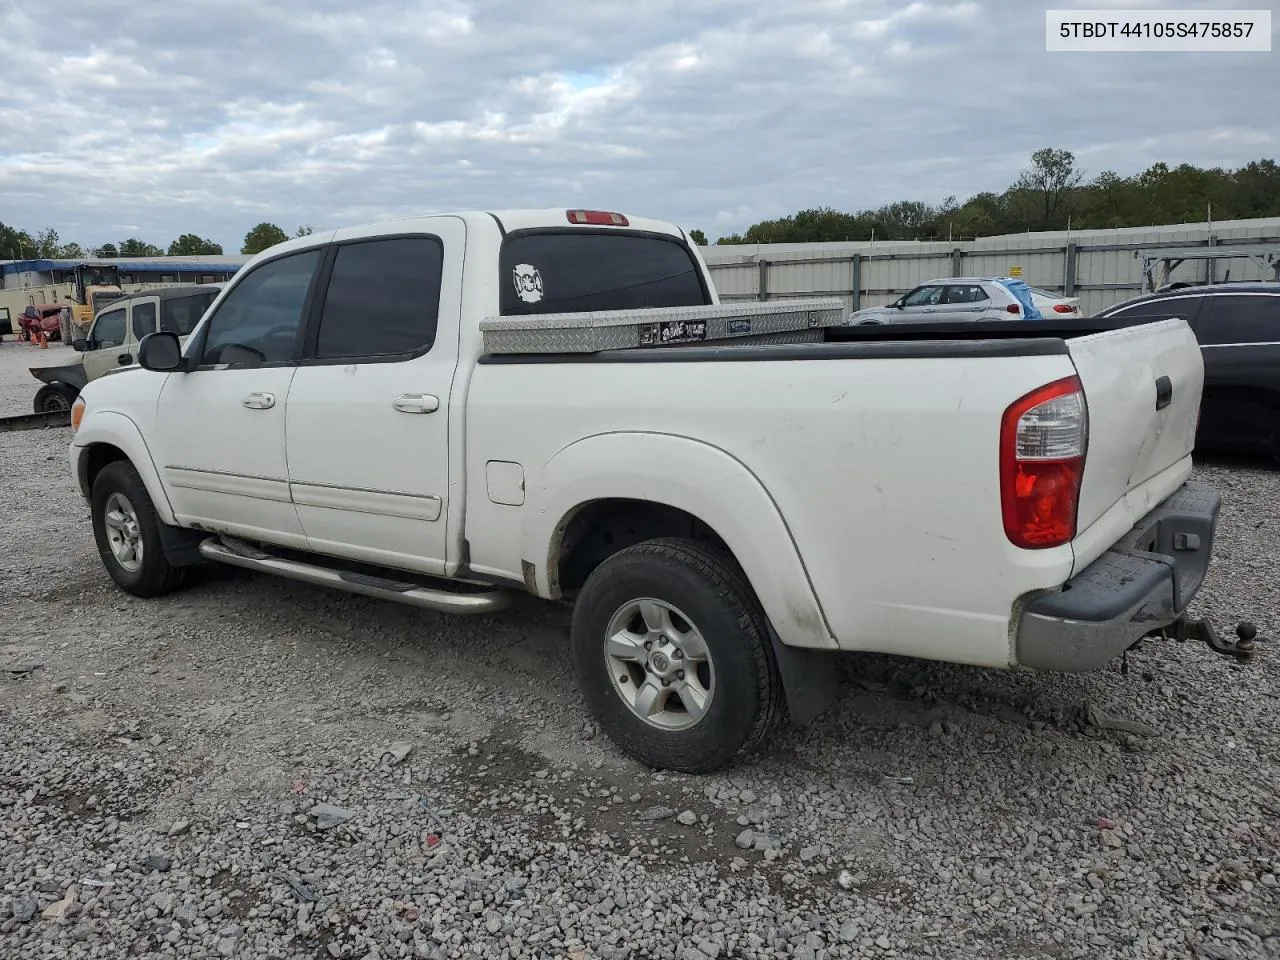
point(157, 119)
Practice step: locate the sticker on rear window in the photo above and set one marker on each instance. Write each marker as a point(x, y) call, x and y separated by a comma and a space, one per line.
point(528, 282)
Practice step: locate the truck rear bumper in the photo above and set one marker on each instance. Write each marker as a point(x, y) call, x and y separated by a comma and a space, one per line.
point(1139, 586)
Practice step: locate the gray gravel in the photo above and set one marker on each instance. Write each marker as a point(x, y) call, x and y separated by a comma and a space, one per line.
point(17, 386)
point(224, 773)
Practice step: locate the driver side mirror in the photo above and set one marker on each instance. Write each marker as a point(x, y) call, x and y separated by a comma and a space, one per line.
point(80, 345)
point(897, 304)
point(160, 352)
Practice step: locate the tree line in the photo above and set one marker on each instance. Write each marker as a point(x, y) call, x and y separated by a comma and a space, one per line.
point(1051, 194)
point(16, 244)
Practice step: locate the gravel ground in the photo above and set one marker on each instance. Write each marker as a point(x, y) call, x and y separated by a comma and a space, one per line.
point(17, 386)
point(254, 768)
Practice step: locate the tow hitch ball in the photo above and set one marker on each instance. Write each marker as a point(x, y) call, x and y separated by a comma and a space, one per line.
point(1242, 648)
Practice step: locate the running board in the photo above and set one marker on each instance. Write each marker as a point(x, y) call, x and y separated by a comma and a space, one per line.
point(237, 553)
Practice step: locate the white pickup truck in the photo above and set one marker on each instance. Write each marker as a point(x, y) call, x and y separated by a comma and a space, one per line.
point(448, 410)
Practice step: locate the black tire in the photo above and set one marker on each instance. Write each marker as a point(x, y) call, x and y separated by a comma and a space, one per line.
point(53, 397)
point(154, 575)
point(711, 593)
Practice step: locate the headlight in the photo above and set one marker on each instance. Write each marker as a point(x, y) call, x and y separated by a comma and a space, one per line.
point(77, 413)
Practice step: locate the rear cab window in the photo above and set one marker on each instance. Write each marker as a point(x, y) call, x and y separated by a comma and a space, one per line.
point(578, 270)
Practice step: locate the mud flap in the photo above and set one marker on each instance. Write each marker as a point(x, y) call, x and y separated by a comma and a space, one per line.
point(181, 546)
point(809, 679)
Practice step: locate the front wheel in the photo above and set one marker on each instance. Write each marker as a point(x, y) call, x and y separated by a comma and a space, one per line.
point(672, 655)
point(127, 532)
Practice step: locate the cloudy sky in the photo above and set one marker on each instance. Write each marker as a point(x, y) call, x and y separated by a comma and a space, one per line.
point(153, 118)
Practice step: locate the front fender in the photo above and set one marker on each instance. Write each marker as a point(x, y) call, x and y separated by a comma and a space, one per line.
point(692, 476)
point(71, 374)
point(117, 430)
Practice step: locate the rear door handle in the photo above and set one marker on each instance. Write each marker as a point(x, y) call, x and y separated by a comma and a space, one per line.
point(260, 401)
point(416, 403)
point(1164, 392)
point(124, 359)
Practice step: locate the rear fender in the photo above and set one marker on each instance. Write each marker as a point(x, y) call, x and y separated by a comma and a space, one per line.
point(117, 430)
point(692, 476)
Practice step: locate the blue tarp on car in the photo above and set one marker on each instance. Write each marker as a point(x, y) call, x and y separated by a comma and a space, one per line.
point(1022, 293)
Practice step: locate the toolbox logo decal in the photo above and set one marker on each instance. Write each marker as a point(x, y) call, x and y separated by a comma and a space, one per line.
point(528, 283)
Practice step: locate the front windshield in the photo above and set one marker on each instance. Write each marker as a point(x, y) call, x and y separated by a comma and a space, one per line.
point(97, 276)
point(103, 297)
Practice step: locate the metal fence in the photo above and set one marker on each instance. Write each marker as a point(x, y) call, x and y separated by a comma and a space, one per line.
point(1099, 267)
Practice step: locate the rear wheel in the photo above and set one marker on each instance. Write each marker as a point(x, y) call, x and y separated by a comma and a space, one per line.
point(127, 532)
point(672, 654)
point(54, 397)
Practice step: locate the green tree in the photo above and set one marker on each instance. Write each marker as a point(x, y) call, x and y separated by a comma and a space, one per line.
point(303, 231)
point(107, 250)
point(133, 247)
point(46, 244)
point(71, 251)
point(698, 237)
point(261, 237)
point(1047, 187)
point(192, 245)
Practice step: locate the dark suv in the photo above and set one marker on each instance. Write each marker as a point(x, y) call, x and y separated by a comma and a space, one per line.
point(1238, 326)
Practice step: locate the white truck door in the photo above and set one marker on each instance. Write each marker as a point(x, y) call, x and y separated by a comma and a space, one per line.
point(220, 426)
point(368, 411)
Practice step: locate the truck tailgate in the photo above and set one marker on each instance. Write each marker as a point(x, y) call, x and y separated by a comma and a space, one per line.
point(1142, 385)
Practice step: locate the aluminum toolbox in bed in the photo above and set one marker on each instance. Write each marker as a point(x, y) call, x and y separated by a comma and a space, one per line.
point(773, 321)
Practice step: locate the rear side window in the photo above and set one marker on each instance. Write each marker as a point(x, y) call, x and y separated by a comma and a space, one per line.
point(144, 319)
point(1150, 310)
point(383, 299)
point(580, 271)
point(181, 314)
point(964, 293)
point(1240, 319)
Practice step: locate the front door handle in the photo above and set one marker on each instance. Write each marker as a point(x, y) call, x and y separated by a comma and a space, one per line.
point(124, 359)
point(416, 403)
point(260, 401)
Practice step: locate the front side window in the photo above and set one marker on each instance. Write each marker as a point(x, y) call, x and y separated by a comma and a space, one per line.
point(258, 321)
point(925, 296)
point(108, 330)
point(383, 299)
point(1240, 319)
point(575, 271)
point(144, 319)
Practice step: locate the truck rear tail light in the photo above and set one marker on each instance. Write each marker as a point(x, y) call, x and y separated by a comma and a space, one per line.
point(1063, 308)
point(1043, 440)
point(1013, 308)
point(596, 216)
